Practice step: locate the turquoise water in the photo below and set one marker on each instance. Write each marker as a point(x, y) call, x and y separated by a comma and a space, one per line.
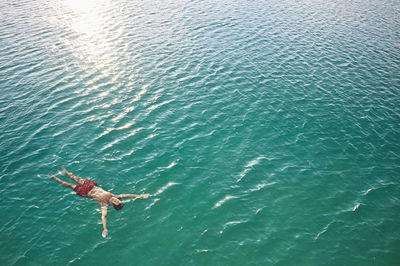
point(267, 131)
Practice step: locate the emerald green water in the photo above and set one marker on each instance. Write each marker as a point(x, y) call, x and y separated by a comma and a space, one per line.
point(266, 131)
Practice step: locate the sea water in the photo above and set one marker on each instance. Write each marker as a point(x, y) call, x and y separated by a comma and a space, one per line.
point(267, 132)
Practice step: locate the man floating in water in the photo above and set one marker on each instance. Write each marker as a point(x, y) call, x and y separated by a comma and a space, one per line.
point(89, 189)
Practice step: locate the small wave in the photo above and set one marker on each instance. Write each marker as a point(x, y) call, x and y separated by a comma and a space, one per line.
point(140, 93)
point(262, 185)
point(152, 204)
point(231, 224)
point(379, 187)
point(123, 114)
point(118, 140)
point(248, 167)
point(219, 203)
point(356, 207)
point(156, 106)
point(202, 250)
point(126, 126)
point(323, 231)
point(161, 190)
point(171, 165)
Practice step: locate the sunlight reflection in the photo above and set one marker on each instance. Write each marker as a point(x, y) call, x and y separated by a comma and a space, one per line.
point(92, 40)
point(81, 5)
point(87, 16)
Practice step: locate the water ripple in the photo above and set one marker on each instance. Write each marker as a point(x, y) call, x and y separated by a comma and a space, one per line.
point(287, 111)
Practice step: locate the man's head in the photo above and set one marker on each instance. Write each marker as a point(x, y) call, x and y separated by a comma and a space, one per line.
point(116, 203)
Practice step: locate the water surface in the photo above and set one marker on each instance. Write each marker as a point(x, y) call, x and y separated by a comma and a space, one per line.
point(267, 131)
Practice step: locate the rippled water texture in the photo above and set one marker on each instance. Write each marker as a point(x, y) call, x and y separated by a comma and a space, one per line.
point(267, 131)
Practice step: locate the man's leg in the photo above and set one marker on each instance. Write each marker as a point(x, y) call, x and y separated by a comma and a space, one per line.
point(62, 181)
point(77, 179)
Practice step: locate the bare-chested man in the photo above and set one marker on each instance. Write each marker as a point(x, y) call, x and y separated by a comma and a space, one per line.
point(89, 189)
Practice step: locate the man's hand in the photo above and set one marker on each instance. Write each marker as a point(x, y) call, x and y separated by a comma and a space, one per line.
point(144, 196)
point(64, 170)
point(105, 233)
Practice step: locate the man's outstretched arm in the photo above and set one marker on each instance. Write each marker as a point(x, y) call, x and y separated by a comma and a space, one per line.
point(104, 211)
point(132, 196)
point(70, 185)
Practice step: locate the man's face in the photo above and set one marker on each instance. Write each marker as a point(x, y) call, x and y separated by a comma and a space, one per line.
point(116, 203)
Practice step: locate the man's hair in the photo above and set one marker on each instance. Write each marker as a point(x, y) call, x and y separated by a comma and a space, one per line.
point(119, 206)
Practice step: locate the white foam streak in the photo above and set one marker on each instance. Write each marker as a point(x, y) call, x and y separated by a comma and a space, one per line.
point(356, 207)
point(171, 165)
point(161, 190)
point(230, 224)
point(323, 231)
point(262, 185)
point(248, 167)
point(219, 203)
point(152, 204)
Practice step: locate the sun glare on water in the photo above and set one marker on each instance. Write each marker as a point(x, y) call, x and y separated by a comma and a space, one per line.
point(92, 39)
point(86, 15)
point(81, 5)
